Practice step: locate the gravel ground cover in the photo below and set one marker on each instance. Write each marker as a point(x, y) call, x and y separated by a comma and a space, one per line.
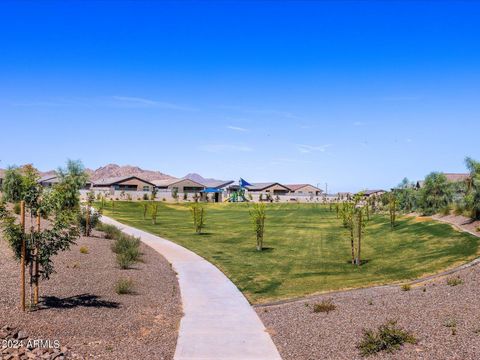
point(80, 308)
point(445, 319)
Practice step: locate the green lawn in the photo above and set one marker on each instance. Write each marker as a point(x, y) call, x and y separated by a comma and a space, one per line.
point(308, 250)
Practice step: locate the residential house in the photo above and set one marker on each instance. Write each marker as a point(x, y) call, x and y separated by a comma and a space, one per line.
point(304, 190)
point(180, 185)
point(272, 188)
point(123, 183)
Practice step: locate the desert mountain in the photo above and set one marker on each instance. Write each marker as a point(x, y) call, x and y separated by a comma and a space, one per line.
point(199, 178)
point(114, 170)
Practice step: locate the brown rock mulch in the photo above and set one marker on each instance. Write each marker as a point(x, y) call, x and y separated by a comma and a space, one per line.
point(80, 308)
point(445, 320)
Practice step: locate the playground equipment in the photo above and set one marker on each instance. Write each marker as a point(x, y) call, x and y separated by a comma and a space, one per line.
point(239, 194)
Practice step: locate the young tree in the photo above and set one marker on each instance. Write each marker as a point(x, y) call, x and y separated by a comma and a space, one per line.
point(12, 186)
point(392, 209)
point(175, 194)
point(72, 178)
point(154, 212)
point(198, 217)
point(36, 248)
point(258, 216)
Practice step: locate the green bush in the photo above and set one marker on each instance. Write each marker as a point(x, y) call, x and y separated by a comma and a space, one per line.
point(389, 337)
point(124, 286)
point(454, 281)
point(110, 231)
point(127, 249)
point(16, 208)
point(406, 287)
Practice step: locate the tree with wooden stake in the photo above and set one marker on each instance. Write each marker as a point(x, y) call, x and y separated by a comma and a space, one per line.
point(392, 207)
point(198, 217)
point(36, 248)
point(145, 210)
point(153, 212)
point(258, 216)
point(359, 223)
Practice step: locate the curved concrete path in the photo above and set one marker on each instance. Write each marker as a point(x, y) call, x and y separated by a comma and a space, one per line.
point(218, 321)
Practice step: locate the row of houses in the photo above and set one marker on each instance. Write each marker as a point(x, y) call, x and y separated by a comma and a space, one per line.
point(188, 186)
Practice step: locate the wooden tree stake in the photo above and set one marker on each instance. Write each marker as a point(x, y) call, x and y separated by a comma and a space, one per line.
point(23, 255)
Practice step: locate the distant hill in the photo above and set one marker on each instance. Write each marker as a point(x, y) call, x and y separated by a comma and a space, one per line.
point(114, 170)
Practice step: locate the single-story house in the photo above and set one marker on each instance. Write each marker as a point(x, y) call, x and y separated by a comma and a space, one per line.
point(273, 188)
point(123, 183)
point(51, 180)
point(219, 185)
point(451, 177)
point(304, 189)
point(48, 180)
point(181, 185)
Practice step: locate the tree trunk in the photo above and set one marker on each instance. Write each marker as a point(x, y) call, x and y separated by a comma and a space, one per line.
point(87, 221)
point(35, 290)
point(359, 261)
point(352, 244)
point(23, 255)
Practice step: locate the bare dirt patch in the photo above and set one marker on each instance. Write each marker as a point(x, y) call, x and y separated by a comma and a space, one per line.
point(80, 308)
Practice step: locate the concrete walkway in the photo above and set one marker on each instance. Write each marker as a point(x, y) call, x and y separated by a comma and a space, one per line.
point(218, 321)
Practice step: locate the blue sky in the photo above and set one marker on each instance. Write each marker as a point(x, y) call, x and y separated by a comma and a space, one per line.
point(355, 94)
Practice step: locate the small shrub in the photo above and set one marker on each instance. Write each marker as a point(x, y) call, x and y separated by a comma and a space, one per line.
point(127, 249)
point(124, 286)
point(389, 337)
point(145, 196)
point(110, 231)
point(406, 287)
point(16, 208)
point(454, 281)
point(326, 306)
point(452, 325)
point(84, 250)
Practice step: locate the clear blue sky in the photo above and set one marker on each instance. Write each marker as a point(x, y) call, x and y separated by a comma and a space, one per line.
point(356, 94)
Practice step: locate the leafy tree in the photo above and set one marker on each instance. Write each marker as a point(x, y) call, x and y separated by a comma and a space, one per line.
point(175, 194)
point(406, 196)
point(436, 194)
point(258, 216)
point(472, 198)
point(153, 195)
point(154, 212)
point(198, 217)
point(71, 180)
point(12, 185)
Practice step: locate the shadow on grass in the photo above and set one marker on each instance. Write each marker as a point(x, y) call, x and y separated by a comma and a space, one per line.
point(83, 300)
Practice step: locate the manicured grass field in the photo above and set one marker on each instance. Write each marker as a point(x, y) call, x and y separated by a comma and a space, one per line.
point(308, 250)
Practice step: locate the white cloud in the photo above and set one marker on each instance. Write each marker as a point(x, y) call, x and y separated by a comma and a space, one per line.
point(358, 123)
point(305, 149)
point(237, 128)
point(143, 102)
